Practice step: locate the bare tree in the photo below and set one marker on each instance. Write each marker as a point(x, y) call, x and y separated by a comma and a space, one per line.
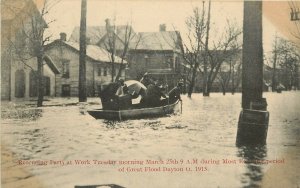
point(288, 59)
point(274, 52)
point(192, 49)
point(236, 72)
point(203, 58)
point(30, 39)
point(228, 46)
point(120, 49)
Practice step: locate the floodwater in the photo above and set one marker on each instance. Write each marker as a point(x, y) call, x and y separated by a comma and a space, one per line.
point(194, 149)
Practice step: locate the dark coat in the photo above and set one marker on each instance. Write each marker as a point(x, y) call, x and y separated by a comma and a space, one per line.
point(153, 95)
point(174, 94)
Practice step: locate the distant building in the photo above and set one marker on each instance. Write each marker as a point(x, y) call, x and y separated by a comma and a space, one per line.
point(98, 35)
point(98, 67)
point(18, 66)
point(157, 53)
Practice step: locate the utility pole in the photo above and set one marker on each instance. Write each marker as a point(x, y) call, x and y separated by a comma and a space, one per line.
point(82, 54)
point(205, 62)
point(254, 119)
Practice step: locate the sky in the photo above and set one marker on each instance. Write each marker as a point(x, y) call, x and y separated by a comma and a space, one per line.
point(148, 15)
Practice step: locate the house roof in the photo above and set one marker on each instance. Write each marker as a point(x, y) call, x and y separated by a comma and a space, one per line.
point(94, 52)
point(12, 9)
point(163, 40)
point(96, 33)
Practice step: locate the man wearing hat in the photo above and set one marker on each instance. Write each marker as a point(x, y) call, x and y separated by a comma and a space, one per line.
point(146, 80)
point(174, 94)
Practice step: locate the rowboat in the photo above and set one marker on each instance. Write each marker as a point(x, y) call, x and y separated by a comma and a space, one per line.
point(134, 113)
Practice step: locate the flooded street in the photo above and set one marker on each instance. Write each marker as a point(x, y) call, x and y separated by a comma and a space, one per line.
point(201, 139)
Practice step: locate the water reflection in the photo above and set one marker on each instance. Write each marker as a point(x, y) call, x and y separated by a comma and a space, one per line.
point(252, 157)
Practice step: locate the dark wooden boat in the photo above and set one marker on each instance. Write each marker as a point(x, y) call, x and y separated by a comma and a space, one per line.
point(134, 113)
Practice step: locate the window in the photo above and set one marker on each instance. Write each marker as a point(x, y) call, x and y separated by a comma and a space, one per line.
point(99, 71)
point(66, 69)
point(105, 71)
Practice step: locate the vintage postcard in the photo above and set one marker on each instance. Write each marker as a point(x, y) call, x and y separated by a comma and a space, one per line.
point(140, 94)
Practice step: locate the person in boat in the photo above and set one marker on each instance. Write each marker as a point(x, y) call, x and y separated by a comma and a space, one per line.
point(122, 89)
point(124, 97)
point(174, 94)
point(113, 97)
point(146, 80)
point(154, 94)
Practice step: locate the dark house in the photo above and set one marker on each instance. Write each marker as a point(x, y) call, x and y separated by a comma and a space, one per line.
point(158, 54)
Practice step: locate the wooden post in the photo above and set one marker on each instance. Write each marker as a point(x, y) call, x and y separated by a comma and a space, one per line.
point(254, 119)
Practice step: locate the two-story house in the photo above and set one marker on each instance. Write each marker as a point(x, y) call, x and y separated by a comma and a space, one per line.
point(158, 54)
point(65, 55)
point(18, 65)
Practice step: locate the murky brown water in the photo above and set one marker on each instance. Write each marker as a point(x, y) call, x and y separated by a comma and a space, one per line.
point(206, 131)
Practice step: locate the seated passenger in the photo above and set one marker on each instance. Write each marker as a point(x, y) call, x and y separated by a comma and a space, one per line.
point(115, 96)
point(153, 95)
point(146, 80)
point(108, 97)
point(174, 94)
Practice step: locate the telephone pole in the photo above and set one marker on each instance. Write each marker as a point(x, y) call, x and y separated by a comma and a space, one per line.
point(254, 119)
point(82, 54)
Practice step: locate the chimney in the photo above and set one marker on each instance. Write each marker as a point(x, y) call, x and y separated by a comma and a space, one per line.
point(63, 36)
point(107, 23)
point(162, 27)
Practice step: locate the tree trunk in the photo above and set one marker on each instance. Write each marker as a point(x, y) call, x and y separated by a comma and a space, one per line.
point(40, 73)
point(232, 83)
point(192, 84)
point(82, 54)
point(274, 84)
point(223, 89)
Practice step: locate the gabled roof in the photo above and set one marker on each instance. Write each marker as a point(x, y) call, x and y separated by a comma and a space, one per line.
point(96, 33)
point(93, 52)
point(12, 9)
point(163, 40)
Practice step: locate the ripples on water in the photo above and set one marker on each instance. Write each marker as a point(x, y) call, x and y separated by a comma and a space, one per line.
point(205, 130)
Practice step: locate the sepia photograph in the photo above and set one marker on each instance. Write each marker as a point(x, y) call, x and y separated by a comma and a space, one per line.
point(150, 94)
